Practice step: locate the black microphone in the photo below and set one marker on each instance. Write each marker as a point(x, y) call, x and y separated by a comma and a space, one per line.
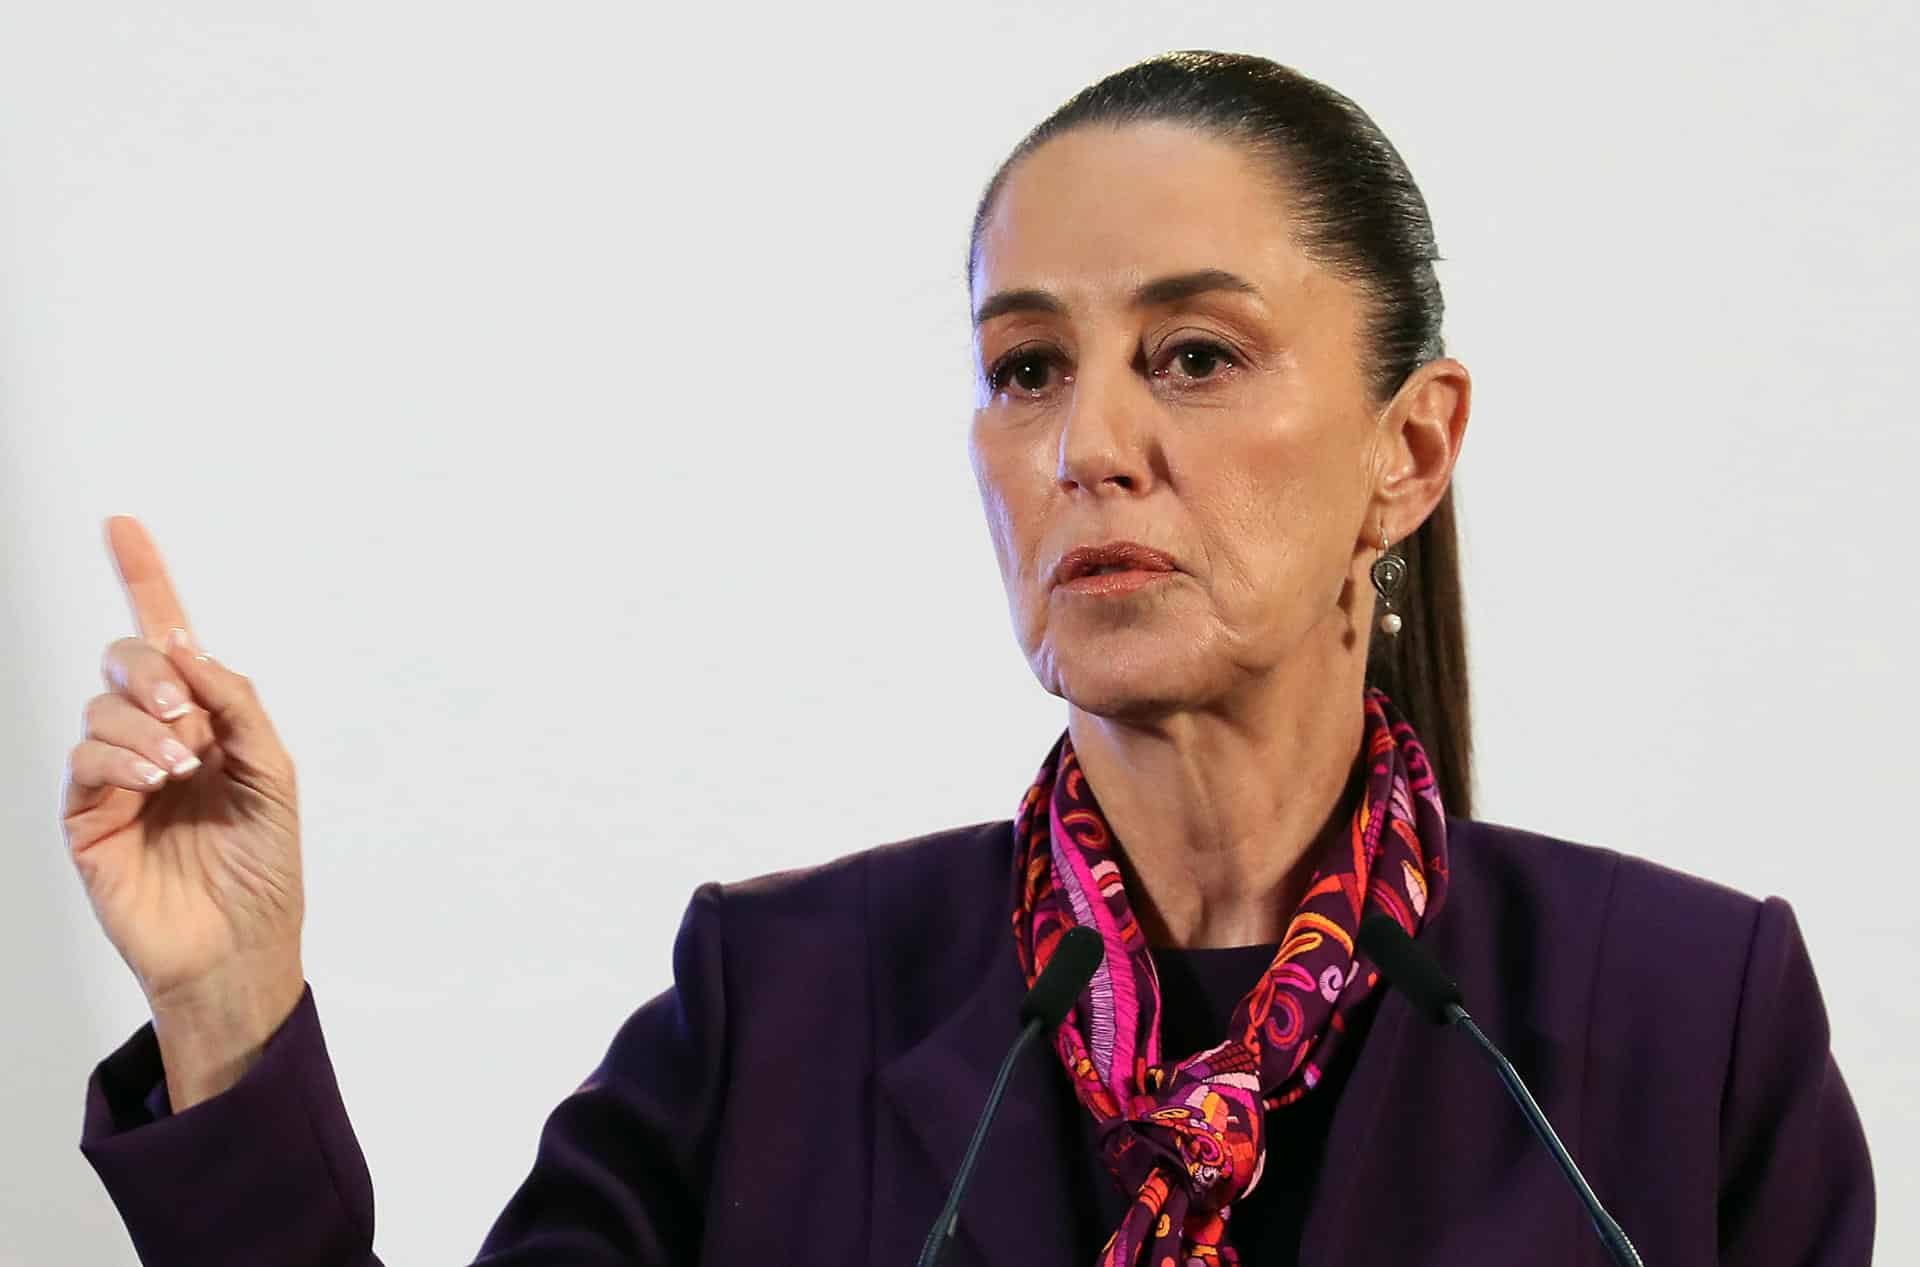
point(1411, 970)
point(1074, 958)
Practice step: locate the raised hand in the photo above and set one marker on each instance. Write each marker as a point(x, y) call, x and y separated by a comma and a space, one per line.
point(181, 816)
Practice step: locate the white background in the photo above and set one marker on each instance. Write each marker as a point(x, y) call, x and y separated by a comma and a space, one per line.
point(560, 412)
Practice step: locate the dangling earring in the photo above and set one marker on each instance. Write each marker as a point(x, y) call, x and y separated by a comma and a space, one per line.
point(1389, 575)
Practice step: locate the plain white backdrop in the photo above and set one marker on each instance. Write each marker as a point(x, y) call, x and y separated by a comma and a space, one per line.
point(560, 412)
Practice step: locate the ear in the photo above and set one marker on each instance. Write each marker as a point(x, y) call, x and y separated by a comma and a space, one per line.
point(1417, 444)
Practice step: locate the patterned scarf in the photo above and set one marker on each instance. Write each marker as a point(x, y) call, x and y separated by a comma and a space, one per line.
point(1188, 1140)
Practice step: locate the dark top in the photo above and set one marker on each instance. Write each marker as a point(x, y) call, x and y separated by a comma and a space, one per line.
point(803, 1093)
point(1199, 990)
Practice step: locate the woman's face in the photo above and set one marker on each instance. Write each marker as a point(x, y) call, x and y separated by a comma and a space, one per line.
point(1158, 363)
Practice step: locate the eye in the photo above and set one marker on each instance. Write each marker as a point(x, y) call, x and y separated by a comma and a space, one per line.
point(1194, 361)
point(1028, 371)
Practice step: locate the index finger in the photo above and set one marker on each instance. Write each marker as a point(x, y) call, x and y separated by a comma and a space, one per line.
point(156, 608)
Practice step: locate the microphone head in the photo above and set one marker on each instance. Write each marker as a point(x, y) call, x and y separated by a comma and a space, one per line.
point(1075, 956)
point(1409, 968)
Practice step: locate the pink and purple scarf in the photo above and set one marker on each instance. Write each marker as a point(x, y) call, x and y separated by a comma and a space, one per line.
point(1188, 1140)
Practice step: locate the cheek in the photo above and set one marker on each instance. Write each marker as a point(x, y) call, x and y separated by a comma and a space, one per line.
point(1001, 499)
point(1277, 527)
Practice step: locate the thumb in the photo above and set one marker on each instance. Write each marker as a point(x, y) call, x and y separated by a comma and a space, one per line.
point(232, 704)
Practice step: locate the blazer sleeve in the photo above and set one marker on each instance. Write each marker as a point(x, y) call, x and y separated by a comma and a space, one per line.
point(270, 1171)
point(1796, 1183)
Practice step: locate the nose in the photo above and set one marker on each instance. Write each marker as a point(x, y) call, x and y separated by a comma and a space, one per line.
point(1106, 437)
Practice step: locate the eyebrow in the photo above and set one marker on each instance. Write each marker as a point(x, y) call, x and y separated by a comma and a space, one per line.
point(1161, 290)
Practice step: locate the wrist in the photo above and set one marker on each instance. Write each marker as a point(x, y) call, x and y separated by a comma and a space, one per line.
point(211, 1035)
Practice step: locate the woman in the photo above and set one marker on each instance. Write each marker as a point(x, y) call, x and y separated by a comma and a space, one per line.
point(1214, 439)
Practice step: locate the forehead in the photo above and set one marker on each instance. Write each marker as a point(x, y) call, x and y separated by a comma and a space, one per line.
point(1097, 210)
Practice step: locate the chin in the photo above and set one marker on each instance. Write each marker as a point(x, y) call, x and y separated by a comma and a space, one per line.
point(1108, 682)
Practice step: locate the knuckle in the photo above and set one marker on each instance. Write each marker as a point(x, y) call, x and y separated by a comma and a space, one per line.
point(195, 730)
point(128, 683)
point(113, 719)
point(118, 659)
point(83, 762)
point(97, 711)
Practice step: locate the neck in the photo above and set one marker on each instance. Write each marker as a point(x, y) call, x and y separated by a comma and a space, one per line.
point(1220, 813)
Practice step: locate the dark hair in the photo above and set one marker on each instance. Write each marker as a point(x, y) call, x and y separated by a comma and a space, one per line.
point(1358, 212)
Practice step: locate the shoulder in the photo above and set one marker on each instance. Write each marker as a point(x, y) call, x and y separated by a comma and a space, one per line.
point(1568, 935)
point(1495, 865)
point(1673, 1026)
point(931, 889)
point(1512, 855)
point(912, 871)
point(892, 927)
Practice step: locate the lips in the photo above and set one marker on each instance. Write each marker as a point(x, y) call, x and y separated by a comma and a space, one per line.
point(1117, 556)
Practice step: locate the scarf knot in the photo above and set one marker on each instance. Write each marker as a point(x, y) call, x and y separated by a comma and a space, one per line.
point(1206, 1137)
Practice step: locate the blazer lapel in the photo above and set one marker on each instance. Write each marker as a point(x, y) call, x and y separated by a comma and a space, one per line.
point(1020, 1210)
point(1358, 1172)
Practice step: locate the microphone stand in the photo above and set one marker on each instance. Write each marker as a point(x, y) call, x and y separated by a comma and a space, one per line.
point(1619, 1248)
point(940, 1235)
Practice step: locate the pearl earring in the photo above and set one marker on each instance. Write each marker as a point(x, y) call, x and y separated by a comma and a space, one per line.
point(1389, 575)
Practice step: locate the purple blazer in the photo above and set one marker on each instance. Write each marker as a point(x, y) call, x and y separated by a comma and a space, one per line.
point(1671, 1029)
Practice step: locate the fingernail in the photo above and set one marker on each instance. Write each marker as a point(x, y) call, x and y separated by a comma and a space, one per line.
point(168, 699)
point(147, 772)
point(178, 756)
point(181, 638)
